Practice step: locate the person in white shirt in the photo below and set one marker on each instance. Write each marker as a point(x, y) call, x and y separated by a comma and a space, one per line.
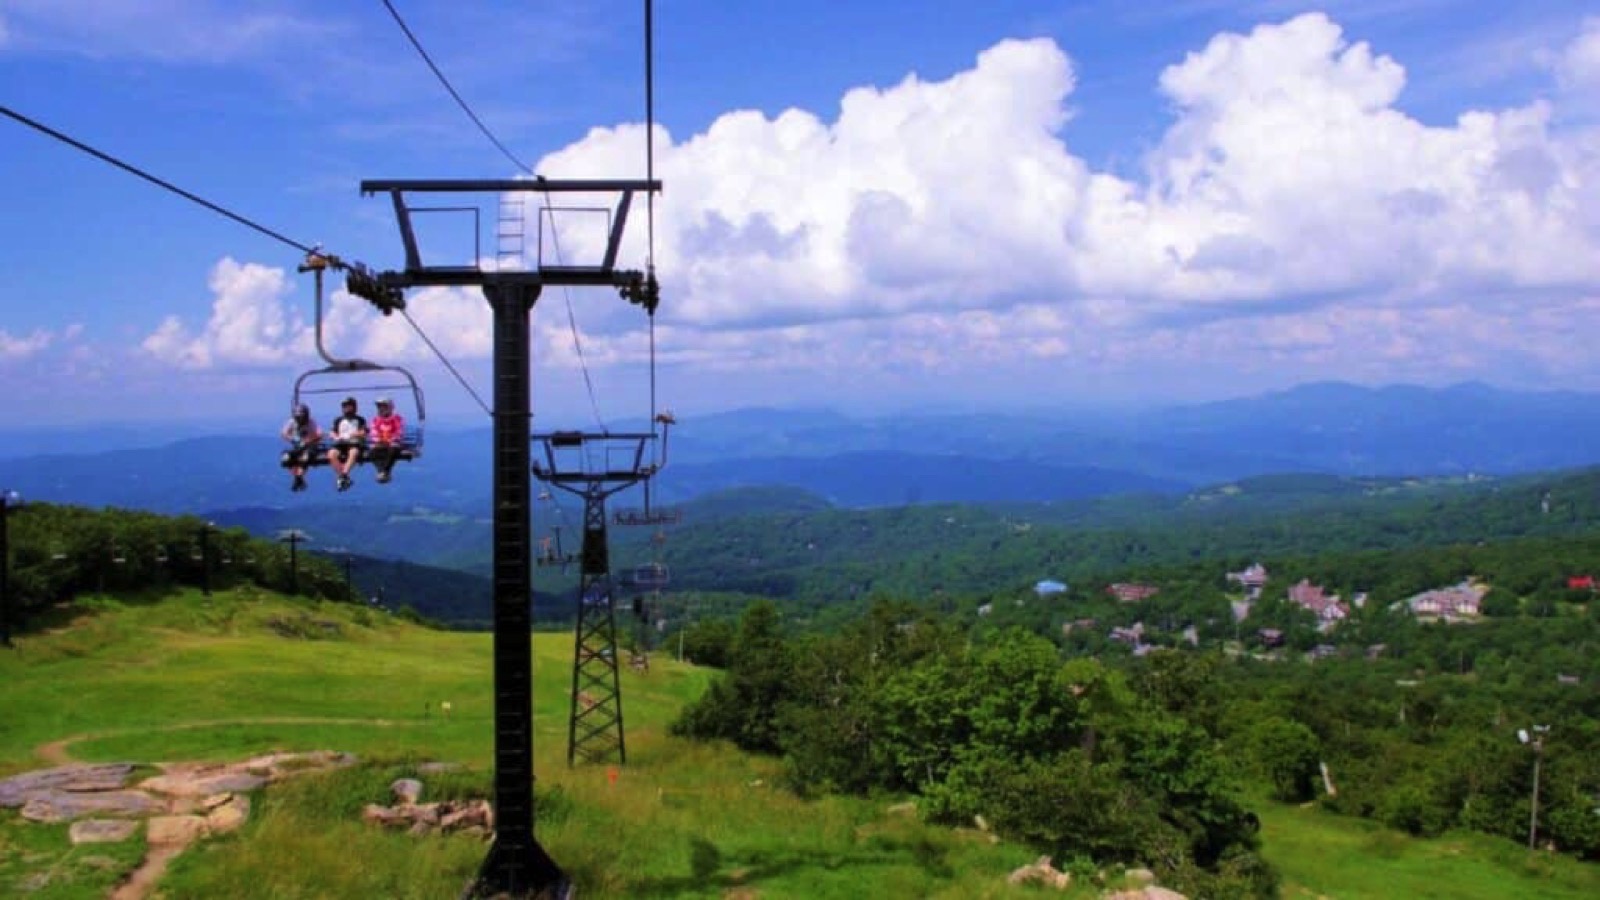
point(349, 436)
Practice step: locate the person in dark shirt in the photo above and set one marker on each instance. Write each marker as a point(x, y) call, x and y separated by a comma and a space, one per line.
point(303, 435)
point(349, 436)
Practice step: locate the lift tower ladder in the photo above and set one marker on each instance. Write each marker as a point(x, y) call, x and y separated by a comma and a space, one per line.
point(510, 232)
point(517, 865)
point(595, 466)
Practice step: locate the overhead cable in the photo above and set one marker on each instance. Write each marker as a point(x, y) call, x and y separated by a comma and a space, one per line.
point(442, 358)
point(572, 323)
point(571, 317)
point(447, 86)
point(159, 182)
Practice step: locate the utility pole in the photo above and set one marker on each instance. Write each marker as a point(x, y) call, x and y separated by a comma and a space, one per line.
point(8, 501)
point(205, 557)
point(1535, 740)
point(516, 865)
point(294, 537)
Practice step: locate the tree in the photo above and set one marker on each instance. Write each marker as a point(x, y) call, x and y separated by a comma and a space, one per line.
point(1500, 603)
point(1287, 753)
point(744, 705)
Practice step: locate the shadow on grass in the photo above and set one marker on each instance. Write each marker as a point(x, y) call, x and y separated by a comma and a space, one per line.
point(712, 868)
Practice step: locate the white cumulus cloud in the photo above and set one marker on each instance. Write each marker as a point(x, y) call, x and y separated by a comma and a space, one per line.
point(251, 323)
point(1290, 215)
point(20, 347)
point(1288, 174)
point(1579, 67)
point(171, 31)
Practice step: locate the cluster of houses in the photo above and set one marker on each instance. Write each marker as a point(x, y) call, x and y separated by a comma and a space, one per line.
point(1132, 592)
point(1252, 580)
point(1462, 601)
point(1328, 608)
point(1458, 603)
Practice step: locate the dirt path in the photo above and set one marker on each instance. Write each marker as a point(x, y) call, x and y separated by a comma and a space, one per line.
point(56, 753)
point(142, 882)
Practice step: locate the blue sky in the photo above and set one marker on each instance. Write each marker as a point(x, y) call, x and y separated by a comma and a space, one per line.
point(870, 205)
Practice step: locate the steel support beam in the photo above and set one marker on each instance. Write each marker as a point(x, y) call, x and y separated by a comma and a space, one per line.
point(517, 865)
point(5, 569)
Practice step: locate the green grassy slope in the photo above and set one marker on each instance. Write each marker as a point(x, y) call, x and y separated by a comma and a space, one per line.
point(247, 672)
point(188, 679)
point(1323, 855)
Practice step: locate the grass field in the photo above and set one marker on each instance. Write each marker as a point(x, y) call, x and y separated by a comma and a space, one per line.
point(188, 678)
point(1323, 855)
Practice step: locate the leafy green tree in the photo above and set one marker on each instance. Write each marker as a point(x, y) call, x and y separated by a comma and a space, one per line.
point(1288, 754)
point(745, 704)
point(1500, 603)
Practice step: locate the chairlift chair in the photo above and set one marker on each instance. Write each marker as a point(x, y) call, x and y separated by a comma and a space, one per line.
point(650, 575)
point(380, 381)
point(370, 384)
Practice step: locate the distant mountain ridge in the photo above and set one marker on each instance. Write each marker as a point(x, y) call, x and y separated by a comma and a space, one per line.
point(1326, 428)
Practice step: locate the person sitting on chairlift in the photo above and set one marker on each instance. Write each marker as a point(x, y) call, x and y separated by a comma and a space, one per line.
point(388, 430)
point(303, 435)
point(349, 434)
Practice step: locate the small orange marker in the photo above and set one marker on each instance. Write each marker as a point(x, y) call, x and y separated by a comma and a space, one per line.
point(611, 774)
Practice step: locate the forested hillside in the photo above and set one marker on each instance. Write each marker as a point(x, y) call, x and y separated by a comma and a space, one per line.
point(1132, 715)
point(817, 559)
point(59, 553)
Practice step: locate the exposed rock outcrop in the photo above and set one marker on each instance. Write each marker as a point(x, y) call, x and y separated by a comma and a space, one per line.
point(102, 831)
point(17, 790)
point(470, 817)
point(186, 803)
point(1043, 873)
point(1149, 892)
point(50, 805)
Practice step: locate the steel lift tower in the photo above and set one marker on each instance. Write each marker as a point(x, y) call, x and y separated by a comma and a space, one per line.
point(594, 466)
point(516, 865)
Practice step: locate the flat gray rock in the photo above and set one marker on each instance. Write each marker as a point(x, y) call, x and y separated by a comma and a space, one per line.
point(204, 783)
point(65, 806)
point(15, 791)
point(102, 831)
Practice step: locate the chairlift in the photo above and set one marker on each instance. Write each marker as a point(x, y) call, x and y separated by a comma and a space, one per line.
point(374, 382)
point(650, 575)
point(361, 379)
point(551, 552)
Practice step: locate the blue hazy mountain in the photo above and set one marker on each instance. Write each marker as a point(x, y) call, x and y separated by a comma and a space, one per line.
point(1334, 429)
